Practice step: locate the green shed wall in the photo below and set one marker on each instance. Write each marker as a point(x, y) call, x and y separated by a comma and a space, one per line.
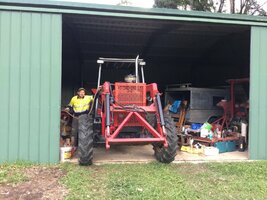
point(30, 85)
point(258, 94)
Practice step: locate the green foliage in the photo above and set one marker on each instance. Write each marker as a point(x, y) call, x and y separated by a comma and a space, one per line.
point(200, 5)
point(167, 4)
point(248, 7)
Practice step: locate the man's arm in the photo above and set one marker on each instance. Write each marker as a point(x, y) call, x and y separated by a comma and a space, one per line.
point(91, 101)
point(70, 105)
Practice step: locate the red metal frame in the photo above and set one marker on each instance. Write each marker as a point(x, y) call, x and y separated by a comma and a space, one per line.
point(228, 107)
point(134, 118)
point(226, 118)
point(135, 93)
point(232, 83)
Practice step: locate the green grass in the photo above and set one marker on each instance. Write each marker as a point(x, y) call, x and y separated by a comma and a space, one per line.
point(13, 173)
point(84, 182)
point(246, 180)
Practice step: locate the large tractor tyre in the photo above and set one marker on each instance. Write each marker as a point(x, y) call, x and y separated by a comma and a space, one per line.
point(85, 146)
point(167, 155)
point(152, 120)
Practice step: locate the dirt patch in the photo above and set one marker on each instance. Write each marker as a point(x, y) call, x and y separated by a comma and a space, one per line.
point(41, 183)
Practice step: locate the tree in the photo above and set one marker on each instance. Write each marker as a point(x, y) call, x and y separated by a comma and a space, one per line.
point(174, 4)
point(200, 5)
point(124, 3)
point(248, 7)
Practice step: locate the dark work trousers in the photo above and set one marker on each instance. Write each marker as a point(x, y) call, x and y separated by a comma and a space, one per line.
point(74, 131)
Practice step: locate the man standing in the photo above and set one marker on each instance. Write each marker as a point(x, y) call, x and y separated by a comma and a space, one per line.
point(79, 105)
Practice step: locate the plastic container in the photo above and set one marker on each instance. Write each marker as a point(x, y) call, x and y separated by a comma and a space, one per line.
point(175, 106)
point(231, 146)
point(227, 146)
point(65, 153)
point(196, 126)
point(221, 146)
point(206, 133)
point(206, 126)
point(211, 151)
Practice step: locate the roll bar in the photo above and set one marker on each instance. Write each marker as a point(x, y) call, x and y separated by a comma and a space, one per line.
point(137, 62)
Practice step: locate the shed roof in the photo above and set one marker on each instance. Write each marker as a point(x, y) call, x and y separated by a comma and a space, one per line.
point(126, 11)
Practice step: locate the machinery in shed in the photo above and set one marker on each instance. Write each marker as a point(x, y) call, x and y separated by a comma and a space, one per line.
point(127, 112)
point(202, 102)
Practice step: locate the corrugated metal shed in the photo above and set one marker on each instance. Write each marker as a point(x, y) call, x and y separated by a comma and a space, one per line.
point(131, 12)
point(258, 94)
point(30, 64)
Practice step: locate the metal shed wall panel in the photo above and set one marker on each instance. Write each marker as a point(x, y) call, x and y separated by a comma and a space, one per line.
point(30, 85)
point(258, 94)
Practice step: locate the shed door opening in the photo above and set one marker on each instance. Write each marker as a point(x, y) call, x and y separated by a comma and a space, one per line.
point(205, 55)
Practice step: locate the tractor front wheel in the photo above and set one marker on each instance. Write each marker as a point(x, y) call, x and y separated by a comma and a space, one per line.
point(85, 146)
point(167, 155)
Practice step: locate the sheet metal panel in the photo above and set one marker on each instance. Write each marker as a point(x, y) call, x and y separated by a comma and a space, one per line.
point(131, 12)
point(30, 83)
point(258, 94)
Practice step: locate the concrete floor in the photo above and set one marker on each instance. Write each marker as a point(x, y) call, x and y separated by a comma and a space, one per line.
point(145, 153)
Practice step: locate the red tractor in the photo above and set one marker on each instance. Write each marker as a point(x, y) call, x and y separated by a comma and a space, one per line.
point(127, 112)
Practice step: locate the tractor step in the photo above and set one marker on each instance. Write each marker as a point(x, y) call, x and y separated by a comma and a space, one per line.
point(129, 140)
point(134, 140)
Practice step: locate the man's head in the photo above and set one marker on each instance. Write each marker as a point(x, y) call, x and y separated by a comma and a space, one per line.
point(81, 92)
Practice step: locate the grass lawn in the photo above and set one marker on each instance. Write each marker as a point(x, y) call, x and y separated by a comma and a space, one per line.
point(244, 180)
point(247, 180)
point(12, 173)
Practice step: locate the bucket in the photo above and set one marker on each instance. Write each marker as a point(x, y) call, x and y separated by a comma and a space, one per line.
point(65, 153)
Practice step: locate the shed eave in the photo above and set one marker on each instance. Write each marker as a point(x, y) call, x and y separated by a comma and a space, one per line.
point(132, 12)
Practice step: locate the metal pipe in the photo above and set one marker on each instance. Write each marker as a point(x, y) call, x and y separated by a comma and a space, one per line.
point(119, 60)
point(107, 110)
point(107, 115)
point(161, 118)
point(232, 98)
point(99, 75)
point(143, 76)
point(136, 69)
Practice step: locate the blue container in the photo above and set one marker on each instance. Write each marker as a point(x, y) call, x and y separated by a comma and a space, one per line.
point(175, 106)
point(228, 146)
point(221, 146)
point(196, 126)
point(231, 146)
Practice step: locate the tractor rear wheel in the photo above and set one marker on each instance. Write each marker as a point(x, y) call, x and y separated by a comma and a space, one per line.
point(85, 145)
point(167, 155)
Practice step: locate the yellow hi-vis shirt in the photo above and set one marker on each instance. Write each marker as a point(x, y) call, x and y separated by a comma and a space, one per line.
point(80, 105)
